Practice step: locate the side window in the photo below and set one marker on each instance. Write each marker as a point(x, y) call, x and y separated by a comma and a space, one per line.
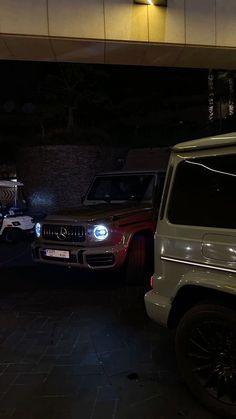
point(203, 193)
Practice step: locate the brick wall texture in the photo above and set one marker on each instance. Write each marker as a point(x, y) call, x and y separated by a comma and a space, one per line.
point(56, 177)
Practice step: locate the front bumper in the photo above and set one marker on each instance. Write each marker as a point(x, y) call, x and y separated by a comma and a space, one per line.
point(94, 258)
point(157, 307)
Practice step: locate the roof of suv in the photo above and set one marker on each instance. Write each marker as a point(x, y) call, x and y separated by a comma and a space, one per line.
point(130, 172)
point(223, 140)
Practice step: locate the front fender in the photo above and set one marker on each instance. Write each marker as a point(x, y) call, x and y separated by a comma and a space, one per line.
point(131, 232)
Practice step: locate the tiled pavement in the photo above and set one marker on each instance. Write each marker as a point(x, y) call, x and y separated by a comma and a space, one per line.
point(76, 346)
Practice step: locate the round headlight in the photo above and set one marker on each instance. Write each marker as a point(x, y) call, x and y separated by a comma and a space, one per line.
point(38, 229)
point(100, 232)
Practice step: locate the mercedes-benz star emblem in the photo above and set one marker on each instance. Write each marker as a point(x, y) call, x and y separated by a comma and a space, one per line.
point(62, 233)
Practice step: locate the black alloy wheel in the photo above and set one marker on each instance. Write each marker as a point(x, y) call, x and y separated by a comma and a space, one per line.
point(206, 355)
point(12, 235)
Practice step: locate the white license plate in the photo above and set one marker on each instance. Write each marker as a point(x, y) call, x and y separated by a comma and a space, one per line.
point(63, 254)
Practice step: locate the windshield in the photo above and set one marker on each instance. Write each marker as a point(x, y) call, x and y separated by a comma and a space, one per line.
point(12, 198)
point(122, 188)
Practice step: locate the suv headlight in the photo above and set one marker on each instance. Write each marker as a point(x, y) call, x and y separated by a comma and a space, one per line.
point(38, 229)
point(98, 232)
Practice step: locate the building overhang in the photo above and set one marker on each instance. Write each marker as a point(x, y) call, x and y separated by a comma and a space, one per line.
point(57, 49)
point(183, 34)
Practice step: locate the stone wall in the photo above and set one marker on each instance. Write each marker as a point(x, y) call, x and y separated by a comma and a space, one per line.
point(147, 158)
point(56, 177)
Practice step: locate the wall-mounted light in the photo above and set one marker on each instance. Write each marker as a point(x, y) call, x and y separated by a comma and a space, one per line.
point(152, 2)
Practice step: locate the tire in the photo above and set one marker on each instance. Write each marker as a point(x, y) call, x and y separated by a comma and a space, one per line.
point(11, 235)
point(206, 355)
point(136, 266)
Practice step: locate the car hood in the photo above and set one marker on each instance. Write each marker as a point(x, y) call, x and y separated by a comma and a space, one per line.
point(100, 212)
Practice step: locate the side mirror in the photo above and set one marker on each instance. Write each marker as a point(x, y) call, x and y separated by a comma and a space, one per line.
point(82, 199)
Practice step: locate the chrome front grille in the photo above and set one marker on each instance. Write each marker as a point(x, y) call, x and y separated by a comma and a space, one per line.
point(63, 233)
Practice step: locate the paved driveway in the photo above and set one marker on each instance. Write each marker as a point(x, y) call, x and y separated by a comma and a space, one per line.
point(77, 346)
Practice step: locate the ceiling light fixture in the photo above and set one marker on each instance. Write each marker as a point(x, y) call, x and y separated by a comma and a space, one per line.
point(152, 2)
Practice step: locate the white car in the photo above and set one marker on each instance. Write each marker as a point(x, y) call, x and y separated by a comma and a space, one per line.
point(194, 283)
point(14, 221)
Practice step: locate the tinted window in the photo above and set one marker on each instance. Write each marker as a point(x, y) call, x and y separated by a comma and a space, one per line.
point(12, 197)
point(204, 192)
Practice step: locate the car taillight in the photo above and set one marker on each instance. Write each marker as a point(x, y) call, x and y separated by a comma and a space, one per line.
point(151, 281)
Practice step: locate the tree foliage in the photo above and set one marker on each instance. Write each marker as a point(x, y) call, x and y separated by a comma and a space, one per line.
point(73, 99)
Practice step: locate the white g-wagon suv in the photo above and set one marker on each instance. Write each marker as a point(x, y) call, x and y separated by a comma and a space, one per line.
point(194, 283)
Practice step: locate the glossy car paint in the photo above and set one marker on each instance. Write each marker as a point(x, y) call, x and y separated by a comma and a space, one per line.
point(191, 255)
